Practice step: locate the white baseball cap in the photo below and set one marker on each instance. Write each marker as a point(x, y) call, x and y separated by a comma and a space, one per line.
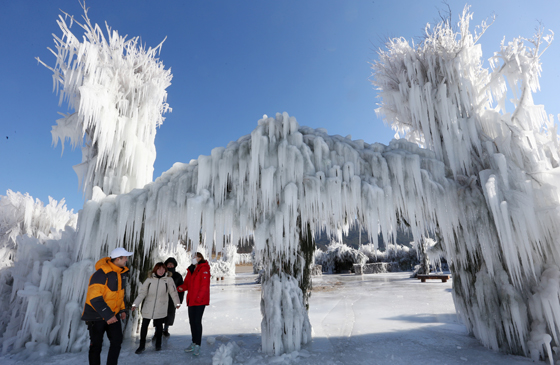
point(119, 251)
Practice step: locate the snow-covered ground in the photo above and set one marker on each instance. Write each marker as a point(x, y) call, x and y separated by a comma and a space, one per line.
point(370, 319)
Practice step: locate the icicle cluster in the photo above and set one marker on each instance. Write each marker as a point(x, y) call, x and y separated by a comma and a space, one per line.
point(36, 245)
point(505, 251)
point(117, 91)
point(225, 266)
point(22, 215)
point(183, 257)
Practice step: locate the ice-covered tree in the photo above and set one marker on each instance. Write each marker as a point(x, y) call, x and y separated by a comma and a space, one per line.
point(116, 88)
point(504, 247)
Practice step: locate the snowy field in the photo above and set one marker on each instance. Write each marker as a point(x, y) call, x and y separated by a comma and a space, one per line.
point(370, 319)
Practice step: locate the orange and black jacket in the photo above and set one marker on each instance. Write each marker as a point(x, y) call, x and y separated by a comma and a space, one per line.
point(105, 295)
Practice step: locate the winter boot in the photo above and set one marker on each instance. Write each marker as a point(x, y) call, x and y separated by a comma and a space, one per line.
point(141, 348)
point(158, 342)
point(190, 348)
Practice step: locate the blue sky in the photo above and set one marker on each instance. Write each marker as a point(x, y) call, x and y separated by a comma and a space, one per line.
point(232, 62)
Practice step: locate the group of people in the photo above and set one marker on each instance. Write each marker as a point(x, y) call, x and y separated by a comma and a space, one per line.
point(160, 295)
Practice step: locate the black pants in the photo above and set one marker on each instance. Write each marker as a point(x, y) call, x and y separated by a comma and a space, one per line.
point(195, 320)
point(158, 324)
point(96, 331)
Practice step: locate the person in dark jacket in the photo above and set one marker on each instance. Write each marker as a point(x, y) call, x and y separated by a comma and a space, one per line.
point(171, 265)
point(104, 308)
point(197, 285)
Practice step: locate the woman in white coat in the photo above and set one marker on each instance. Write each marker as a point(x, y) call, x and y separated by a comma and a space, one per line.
point(155, 293)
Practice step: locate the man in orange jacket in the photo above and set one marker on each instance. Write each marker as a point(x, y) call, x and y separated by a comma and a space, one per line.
point(104, 308)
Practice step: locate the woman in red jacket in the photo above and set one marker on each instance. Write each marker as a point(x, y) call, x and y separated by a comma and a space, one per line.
point(197, 285)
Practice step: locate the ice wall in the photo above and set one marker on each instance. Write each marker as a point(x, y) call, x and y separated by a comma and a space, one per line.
point(116, 88)
point(505, 252)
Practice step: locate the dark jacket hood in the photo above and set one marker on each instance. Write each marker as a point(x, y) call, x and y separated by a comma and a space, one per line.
point(172, 260)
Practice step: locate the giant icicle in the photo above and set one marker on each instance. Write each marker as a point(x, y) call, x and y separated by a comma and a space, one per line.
point(505, 256)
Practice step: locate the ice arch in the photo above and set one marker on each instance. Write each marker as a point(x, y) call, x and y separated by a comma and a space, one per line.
point(280, 184)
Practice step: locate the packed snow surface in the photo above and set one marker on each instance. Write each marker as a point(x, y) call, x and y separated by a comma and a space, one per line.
point(369, 319)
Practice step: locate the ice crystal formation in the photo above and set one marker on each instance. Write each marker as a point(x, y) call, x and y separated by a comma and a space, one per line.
point(482, 180)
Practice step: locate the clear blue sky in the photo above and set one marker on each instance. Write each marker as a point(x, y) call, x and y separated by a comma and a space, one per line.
point(232, 62)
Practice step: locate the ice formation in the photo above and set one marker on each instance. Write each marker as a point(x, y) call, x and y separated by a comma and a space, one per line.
point(278, 186)
point(481, 180)
point(36, 242)
point(225, 354)
point(220, 269)
point(117, 91)
point(503, 240)
point(405, 257)
point(244, 258)
point(338, 254)
point(22, 215)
